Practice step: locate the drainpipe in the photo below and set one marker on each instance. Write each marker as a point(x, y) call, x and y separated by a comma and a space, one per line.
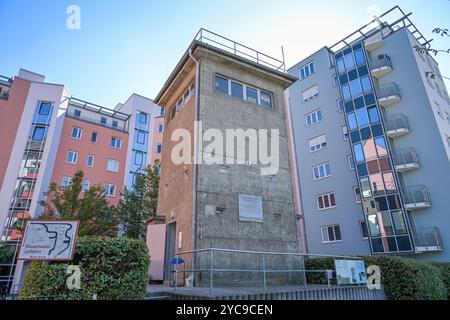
point(196, 151)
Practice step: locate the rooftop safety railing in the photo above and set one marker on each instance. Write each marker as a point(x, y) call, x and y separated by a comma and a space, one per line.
point(218, 268)
point(243, 51)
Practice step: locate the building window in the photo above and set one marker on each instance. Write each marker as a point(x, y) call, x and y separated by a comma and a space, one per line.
point(310, 93)
point(76, 133)
point(271, 178)
point(313, 117)
point(221, 84)
point(364, 230)
point(345, 132)
point(109, 189)
point(90, 161)
point(266, 100)
point(317, 143)
point(85, 186)
point(94, 136)
point(351, 162)
point(162, 112)
point(103, 120)
point(160, 128)
point(307, 70)
point(173, 112)
point(72, 157)
point(77, 113)
point(139, 159)
point(115, 124)
point(252, 95)
point(143, 117)
point(38, 134)
point(357, 193)
point(237, 90)
point(242, 91)
point(158, 149)
point(113, 166)
point(326, 201)
point(65, 183)
point(140, 137)
point(331, 234)
point(340, 105)
point(116, 143)
point(322, 171)
point(44, 109)
point(335, 81)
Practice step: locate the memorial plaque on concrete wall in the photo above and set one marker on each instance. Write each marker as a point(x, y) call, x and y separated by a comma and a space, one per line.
point(250, 208)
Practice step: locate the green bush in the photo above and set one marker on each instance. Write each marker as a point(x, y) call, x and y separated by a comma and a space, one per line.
point(444, 268)
point(402, 278)
point(112, 268)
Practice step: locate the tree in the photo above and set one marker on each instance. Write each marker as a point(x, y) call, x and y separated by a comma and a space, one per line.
point(138, 205)
point(96, 217)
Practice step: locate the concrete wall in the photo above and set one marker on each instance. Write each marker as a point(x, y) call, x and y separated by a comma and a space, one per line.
point(347, 213)
point(156, 235)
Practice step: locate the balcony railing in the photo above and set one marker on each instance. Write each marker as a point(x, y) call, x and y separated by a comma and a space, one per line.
point(416, 198)
point(397, 125)
point(427, 239)
point(406, 159)
point(381, 66)
point(388, 94)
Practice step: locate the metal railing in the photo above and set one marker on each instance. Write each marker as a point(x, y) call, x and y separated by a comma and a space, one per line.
point(265, 261)
point(123, 126)
point(416, 194)
point(381, 63)
point(397, 122)
point(388, 90)
point(231, 46)
point(427, 237)
point(407, 156)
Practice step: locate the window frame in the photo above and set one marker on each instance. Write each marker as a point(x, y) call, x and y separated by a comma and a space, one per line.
point(116, 166)
point(328, 195)
point(355, 195)
point(324, 165)
point(109, 188)
point(79, 131)
point(90, 156)
point(316, 112)
point(76, 157)
point(308, 70)
point(114, 146)
point(334, 233)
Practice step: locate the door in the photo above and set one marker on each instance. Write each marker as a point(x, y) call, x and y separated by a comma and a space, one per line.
point(171, 238)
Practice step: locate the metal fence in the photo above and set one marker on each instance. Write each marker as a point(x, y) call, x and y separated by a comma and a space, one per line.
point(265, 269)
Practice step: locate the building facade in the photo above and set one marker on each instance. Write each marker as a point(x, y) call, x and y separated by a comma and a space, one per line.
point(371, 134)
point(47, 136)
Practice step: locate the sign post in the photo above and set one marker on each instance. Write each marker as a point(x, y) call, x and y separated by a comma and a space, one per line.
point(48, 240)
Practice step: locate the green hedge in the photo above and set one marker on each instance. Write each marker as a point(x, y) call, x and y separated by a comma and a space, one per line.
point(402, 278)
point(112, 268)
point(445, 273)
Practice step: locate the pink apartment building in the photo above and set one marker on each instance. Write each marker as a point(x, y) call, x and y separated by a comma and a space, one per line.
point(47, 135)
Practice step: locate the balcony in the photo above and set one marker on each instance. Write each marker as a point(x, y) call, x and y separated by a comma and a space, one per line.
point(416, 198)
point(388, 94)
point(406, 159)
point(381, 66)
point(397, 125)
point(427, 240)
point(374, 42)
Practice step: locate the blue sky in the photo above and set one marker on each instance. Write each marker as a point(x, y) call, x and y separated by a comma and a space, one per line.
point(131, 46)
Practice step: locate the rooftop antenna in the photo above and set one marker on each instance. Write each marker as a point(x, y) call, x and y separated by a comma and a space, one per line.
point(376, 19)
point(284, 62)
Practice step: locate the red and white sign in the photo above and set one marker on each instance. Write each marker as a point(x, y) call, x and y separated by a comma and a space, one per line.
point(49, 240)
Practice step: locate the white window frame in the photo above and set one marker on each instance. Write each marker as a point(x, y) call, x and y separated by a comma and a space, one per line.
point(334, 232)
point(316, 112)
point(355, 195)
point(112, 165)
point(77, 136)
point(335, 80)
point(75, 155)
point(109, 185)
point(328, 195)
point(244, 88)
point(344, 129)
point(304, 68)
point(310, 98)
point(68, 180)
point(88, 182)
point(96, 136)
point(141, 155)
point(324, 165)
point(349, 161)
point(93, 160)
point(138, 134)
point(114, 146)
point(318, 146)
point(338, 107)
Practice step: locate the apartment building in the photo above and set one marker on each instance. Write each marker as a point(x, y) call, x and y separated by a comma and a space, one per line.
point(47, 136)
point(371, 131)
point(201, 203)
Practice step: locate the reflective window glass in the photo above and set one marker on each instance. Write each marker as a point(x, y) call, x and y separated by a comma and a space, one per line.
point(352, 121)
point(359, 154)
point(363, 119)
point(381, 147)
point(366, 190)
